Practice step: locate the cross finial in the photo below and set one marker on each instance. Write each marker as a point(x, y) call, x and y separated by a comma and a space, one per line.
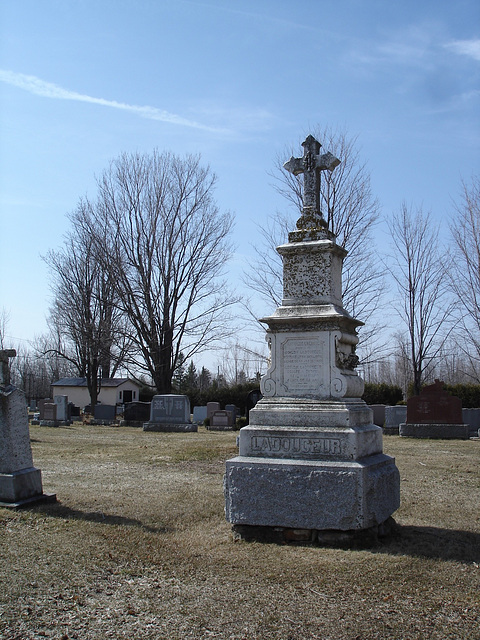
point(310, 165)
point(5, 354)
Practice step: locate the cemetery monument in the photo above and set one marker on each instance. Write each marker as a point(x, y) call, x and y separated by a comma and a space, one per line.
point(20, 481)
point(311, 464)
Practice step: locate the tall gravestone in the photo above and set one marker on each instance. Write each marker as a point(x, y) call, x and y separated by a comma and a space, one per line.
point(20, 481)
point(311, 462)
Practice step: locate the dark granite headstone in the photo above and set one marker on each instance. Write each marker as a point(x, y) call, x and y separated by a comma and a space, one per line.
point(434, 414)
point(434, 406)
point(105, 412)
point(136, 411)
point(252, 399)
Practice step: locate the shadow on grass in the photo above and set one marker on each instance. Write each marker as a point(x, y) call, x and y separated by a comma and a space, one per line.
point(432, 542)
point(58, 510)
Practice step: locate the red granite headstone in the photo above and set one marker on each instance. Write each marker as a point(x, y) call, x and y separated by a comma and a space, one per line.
point(434, 406)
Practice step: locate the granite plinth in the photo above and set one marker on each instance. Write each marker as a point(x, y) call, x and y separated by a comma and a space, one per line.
point(22, 488)
point(441, 431)
point(315, 495)
point(168, 427)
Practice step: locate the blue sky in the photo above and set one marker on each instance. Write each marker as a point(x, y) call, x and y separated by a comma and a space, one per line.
point(83, 80)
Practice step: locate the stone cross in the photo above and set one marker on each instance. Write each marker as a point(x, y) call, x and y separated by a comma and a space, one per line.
point(5, 354)
point(310, 165)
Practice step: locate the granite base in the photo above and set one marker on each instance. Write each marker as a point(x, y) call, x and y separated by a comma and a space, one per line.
point(22, 487)
point(359, 539)
point(441, 431)
point(314, 495)
point(170, 427)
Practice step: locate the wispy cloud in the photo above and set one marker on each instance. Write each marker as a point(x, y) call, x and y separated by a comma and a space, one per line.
point(39, 87)
point(469, 48)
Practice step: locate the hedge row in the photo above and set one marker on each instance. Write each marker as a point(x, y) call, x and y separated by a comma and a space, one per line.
point(382, 393)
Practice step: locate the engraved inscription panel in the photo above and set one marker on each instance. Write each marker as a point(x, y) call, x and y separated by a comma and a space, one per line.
point(296, 446)
point(305, 364)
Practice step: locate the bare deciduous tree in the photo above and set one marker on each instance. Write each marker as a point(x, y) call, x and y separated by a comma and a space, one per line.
point(84, 320)
point(351, 212)
point(419, 270)
point(465, 274)
point(164, 243)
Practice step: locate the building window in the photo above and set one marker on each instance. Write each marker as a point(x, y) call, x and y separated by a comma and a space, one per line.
point(120, 395)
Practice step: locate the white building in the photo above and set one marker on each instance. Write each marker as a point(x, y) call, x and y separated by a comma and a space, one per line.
point(112, 391)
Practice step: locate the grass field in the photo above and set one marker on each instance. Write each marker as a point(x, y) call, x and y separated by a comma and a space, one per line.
point(137, 547)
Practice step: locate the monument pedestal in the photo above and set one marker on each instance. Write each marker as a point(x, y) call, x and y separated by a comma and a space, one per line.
point(441, 431)
point(170, 427)
point(326, 471)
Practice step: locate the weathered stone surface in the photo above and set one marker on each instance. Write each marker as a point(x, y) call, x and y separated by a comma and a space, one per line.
point(311, 494)
point(322, 443)
point(15, 450)
point(20, 485)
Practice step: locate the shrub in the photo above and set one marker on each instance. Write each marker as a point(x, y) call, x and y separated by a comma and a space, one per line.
point(382, 393)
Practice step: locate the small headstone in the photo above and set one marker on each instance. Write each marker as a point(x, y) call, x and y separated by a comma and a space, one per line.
point(211, 408)
point(394, 416)
point(41, 407)
point(170, 413)
point(434, 414)
point(136, 413)
point(105, 412)
point(49, 415)
point(233, 409)
point(221, 421)
point(378, 414)
point(199, 414)
point(20, 481)
point(62, 408)
point(472, 418)
point(73, 410)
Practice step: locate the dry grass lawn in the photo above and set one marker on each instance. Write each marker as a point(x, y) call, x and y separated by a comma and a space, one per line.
point(137, 547)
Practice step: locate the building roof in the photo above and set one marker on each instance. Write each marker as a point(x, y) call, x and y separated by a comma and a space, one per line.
point(82, 382)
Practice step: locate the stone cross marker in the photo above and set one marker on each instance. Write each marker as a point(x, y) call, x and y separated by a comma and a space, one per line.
point(5, 354)
point(310, 164)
